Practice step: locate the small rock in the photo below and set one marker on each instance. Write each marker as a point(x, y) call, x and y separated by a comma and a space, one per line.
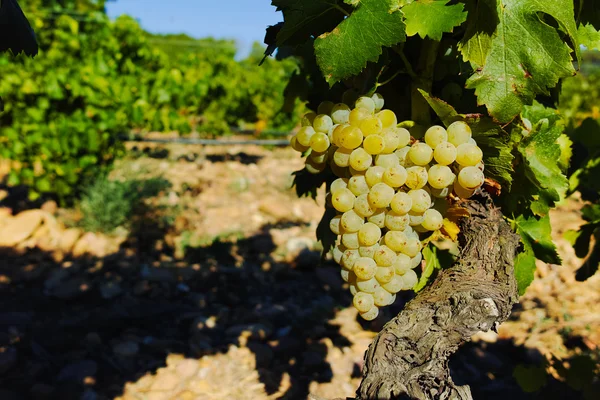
point(71, 288)
point(126, 348)
point(187, 368)
point(157, 274)
point(165, 380)
point(93, 244)
point(141, 287)
point(68, 238)
point(50, 207)
point(256, 331)
point(295, 245)
point(56, 277)
point(78, 371)
point(20, 227)
point(8, 358)
point(110, 290)
point(274, 208)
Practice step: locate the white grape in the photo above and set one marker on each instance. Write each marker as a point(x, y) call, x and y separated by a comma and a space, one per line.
point(416, 260)
point(395, 285)
point(395, 221)
point(416, 177)
point(445, 153)
point(367, 286)
point(410, 279)
point(468, 154)
point(368, 251)
point(366, 103)
point(421, 200)
point(334, 225)
point(380, 195)
point(378, 101)
point(401, 203)
point(363, 301)
point(402, 264)
point(362, 206)
point(470, 178)
point(339, 183)
point(384, 256)
point(382, 297)
point(358, 185)
point(337, 252)
point(365, 268)
point(322, 123)
point(350, 240)
point(351, 221)
point(340, 113)
point(378, 218)
point(343, 200)
point(435, 135)
point(459, 132)
point(349, 258)
point(371, 314)
point(432, 220)
point(369, 234)
point(440, 176)
point(386, 160)
point(384, 274)
point(374, 175)
point(420, 154)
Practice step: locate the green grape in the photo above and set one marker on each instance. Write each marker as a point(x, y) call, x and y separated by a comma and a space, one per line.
point(410, 279)
point(420, 153)
point(468, 155)
point(395, 221)
point(308, 118)
point(371, 125)
point(461, 191)
point(384, 256)
point(346, 274)
point(349, 258)
point(380, 195)
point(459, 132)
point(337, 252)
point(334, 225)
point(368, 251)
point(369, 234)
point(374, 144)
point(409, 231)
point(339, 183)
point(421, 200)
point(358, 185)
point(330, 133)
point(378, 218)
point(374, 175)
point(341, 157)
point(384, 274)
point(336, 134)
point(363, 301)
point(351, 137)
point(367, 286)
point(322, 123)
point(304, 135)
point(325, 107)
point(351, 222)
point(411, 247)
point(382, 297)
point(435, 135)
point(440, 176)
point(365, 102)
point(395, 176)
point(402, 264)
point(319, 142)
point(340, 113)
point(297, 146)
point(391, 140)
point(416, 260)
point(403, 159)
point(470, 178)
point(386, 160)
point(357, 115)
point(319, 158)
point(350, 240)
point(415, 219)
point(362, 206)
point(395, 240)
point(441, 193)
point(401, 203)
point(365, 268)
point(352, 286)
point(360, 160)
point(388, 118)
point(432, 220)
point(445, 153)
point(342, 200)
point(416, 177)
point(403, 136)
point(378, 100)
point(395, 285)
point(314, 167)
point(371, 314)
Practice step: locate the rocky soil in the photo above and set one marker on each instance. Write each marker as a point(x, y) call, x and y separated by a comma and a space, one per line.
point(228, 301)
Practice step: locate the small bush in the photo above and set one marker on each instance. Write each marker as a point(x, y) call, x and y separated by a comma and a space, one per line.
point(108, 204)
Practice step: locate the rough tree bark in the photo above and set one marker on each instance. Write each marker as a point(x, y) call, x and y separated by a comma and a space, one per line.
point(409, 358)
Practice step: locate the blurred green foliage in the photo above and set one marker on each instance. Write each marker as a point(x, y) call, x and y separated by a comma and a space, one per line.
point(95, 80)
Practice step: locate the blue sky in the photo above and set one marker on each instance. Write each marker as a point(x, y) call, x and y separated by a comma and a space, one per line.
point(242, 20)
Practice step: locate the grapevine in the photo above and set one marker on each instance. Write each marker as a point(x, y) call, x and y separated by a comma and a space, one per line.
point(391, 192)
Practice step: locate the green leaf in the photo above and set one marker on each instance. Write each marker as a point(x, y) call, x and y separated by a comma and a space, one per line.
point(307, 184)
point(566, 152)
point(435, 260)
point(432, 18)
point(482, 20)
point(535, 235)
point(524, 270)
point(541, 156)
point(303, 19)
point(359, 39)
point(526, 55)
point(445, 112)
point(589, 37)
point(530, 379)
point(324, 233)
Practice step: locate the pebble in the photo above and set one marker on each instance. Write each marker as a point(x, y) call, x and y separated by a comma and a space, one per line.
point(126, 349)
point(257, 331)
point(78, 371)
point(110, 290)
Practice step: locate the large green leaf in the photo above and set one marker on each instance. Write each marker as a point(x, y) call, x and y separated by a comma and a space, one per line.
point(524, 57)
point(535, 235)
point(589, 37)
point(359, 39)
point(432, 18)
point(524, 270)
point(481, 24)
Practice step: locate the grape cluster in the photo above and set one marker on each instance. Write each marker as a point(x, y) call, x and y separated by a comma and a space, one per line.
point(390, 189)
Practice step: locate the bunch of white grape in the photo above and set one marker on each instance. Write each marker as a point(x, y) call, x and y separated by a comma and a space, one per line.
point(390, 188)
